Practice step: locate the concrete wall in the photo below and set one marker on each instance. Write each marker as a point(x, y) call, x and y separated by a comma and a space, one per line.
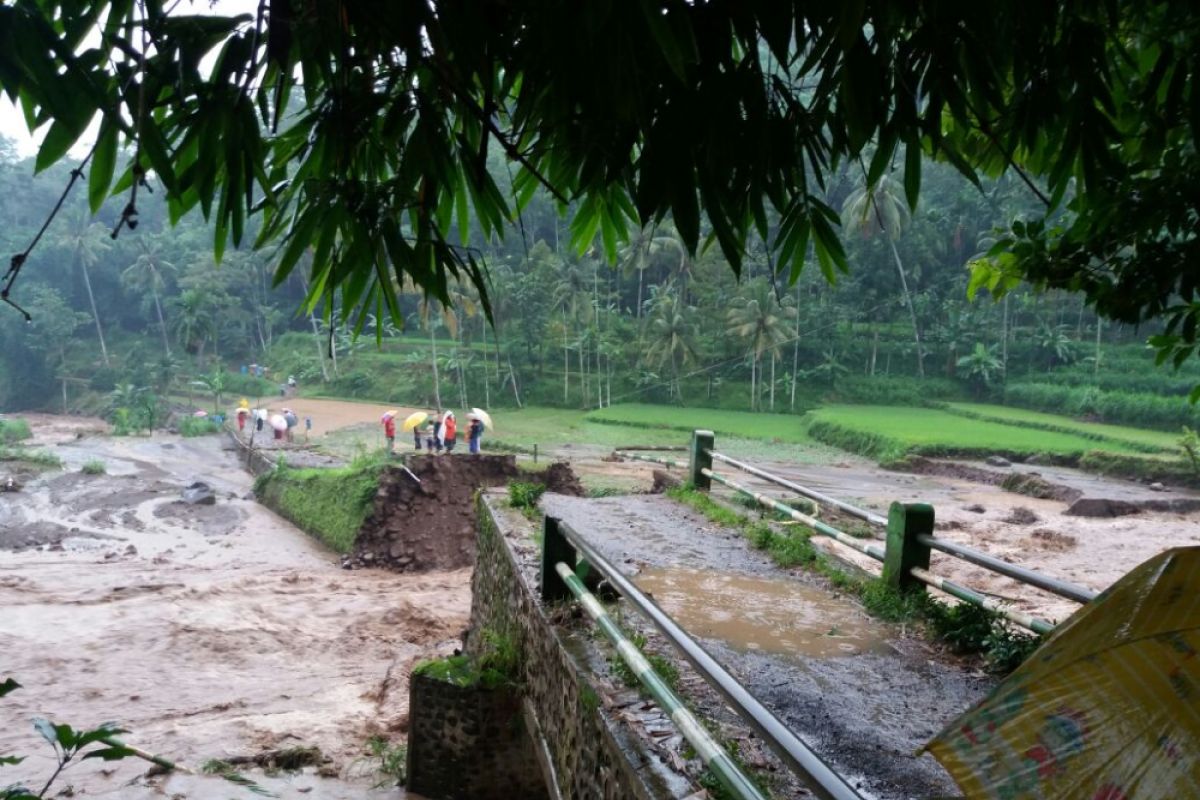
point(591, 757)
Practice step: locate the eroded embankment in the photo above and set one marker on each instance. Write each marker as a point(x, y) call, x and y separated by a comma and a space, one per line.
point(412, 517)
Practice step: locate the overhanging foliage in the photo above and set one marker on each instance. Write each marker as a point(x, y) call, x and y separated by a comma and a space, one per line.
point(361, 130)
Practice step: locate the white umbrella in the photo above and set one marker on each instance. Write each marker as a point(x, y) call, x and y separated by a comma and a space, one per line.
point(484, 417)
point(278, 422)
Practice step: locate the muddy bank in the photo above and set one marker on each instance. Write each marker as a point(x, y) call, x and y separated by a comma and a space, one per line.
point(423, 516)
point(209, 631)
point(860, 692)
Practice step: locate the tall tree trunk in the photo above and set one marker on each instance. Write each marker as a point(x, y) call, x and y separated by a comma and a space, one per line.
point(1099, 331)
point(874, 350)
point(1004, 340)
point(795, 352)
point(912, 312)
point(773, 359)
point(566, 365)
point(87, 282)
point(320, 351)
point(753, 386)
point(487, 374)
point(437, 387)
point(583, 378)
point(512, 377)
point(162, 324)
point(641, 276)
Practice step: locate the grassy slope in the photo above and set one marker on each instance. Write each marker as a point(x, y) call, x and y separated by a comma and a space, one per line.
point(329, 504)
point(897, 429)
point(743, 424)
point(1159, 440)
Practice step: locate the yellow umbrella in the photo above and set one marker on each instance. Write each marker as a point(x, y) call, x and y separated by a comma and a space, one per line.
point(414, 419)
point(484, 417)
point(1108, 708)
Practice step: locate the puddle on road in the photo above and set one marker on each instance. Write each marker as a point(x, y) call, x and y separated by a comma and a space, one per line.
point(761, 614)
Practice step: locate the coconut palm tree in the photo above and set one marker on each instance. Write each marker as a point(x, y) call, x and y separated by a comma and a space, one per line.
point(148, 275)
point(642, 252)
point(757, 317)
point(671, 335)
point(87, 243)
point(881, 209)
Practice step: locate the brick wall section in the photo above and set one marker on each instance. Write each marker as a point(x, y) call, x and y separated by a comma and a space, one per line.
point(469, 743)
point(594, 758)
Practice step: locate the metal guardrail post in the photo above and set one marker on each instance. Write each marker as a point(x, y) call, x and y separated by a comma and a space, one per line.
point(555, 548)
point(700, 459)
point(907, 522)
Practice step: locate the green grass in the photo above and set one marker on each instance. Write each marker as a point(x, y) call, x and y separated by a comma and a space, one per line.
point(13, 430)
point(1153, 441)
point(743, 424)
point(198, 426)
point(554, 427)
point(889, 432)
point(34, 458)
point(93, 467)
point(329, 504)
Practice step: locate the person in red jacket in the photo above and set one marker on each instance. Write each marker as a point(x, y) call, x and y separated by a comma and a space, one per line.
point(449, 431)
point(389, 431)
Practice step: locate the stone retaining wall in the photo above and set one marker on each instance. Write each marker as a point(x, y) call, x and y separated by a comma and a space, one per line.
point(591, 756)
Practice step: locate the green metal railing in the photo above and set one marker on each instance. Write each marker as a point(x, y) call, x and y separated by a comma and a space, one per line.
point(906, 557)
point(709, 750)
point(563, 547)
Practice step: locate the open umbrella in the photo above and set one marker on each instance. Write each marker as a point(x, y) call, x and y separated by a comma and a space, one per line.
point(388, 415)
point(484, 417)
point(278, 422)
point(1108, 708)
point(414, 419)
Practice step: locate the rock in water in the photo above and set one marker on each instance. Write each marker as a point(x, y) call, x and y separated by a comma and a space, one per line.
point(199, 494)
point(998, 461)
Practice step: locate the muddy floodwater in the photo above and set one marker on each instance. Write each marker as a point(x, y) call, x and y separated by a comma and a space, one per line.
point(768, 615)
point(207, 631)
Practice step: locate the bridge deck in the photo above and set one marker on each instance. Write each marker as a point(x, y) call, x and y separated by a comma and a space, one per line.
point(862, 694)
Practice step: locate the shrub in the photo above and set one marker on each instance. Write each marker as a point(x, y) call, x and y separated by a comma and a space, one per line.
point(198, 426)
point(93, 467)
point(14, 430)
point(525, 496)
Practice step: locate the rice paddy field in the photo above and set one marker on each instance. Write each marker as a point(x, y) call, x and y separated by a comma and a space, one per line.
point(892, 431)
point(1146, 439)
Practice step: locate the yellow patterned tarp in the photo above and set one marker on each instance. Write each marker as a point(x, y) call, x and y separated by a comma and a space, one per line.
point(1108, 708)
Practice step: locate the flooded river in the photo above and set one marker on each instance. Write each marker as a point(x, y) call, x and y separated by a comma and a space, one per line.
point(208, 631)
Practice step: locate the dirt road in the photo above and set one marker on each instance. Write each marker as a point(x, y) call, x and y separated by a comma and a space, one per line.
point(208, 631)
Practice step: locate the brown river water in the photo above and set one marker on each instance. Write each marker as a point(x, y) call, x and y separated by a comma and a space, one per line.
point(208, 632)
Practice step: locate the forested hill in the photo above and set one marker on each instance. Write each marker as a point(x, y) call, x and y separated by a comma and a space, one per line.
point(149, 310)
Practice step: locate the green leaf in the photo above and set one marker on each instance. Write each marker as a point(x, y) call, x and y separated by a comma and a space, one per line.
point(10, 760)
point(59, 139)
point(668, 41)
point(8, 686)
point(912, 172)
point(104, 162)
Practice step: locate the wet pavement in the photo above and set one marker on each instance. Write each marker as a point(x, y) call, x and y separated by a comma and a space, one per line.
point(863, 695)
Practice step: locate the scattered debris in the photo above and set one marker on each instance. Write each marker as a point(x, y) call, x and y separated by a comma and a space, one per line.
point(975, 508)
point(1021, 516)
point(1047, 539)
point(998, 461)
point(198, 493)
point(1101, 507)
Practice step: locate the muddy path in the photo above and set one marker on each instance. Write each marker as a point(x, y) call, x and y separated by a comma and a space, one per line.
point(208, 631)
point(863, 694)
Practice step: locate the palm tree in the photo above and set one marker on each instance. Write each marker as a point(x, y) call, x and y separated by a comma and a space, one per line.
point(671, 337)
point(192, 322)
point(881, 209)
point(147, 274)
point(758, 319)
point(87, 243)
point(981, 366)
point(642, 251)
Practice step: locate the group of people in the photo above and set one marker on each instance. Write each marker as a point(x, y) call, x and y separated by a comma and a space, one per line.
point(281, 424)
point(439, 432)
